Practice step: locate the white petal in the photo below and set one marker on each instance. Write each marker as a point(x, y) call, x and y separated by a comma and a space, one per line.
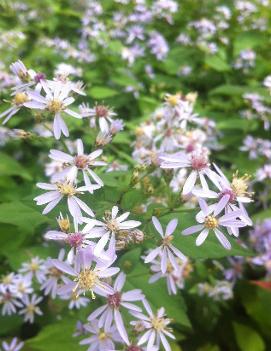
point(202, 236)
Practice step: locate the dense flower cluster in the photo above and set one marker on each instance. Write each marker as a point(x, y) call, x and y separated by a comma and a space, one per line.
point(112, 223)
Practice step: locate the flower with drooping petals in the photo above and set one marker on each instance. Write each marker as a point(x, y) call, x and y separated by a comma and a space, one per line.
point(166, 250)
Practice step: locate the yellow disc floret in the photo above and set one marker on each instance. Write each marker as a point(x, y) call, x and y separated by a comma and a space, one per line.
point(86, 281)
point(240, 185)
point(173, 99)
point(20, 98)
point(55, 106)
point(210, 222)
point(66, 189)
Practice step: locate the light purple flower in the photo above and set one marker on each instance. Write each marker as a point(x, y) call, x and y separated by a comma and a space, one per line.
point(30, 307)
point(53, 276)
point(111, 225)
point(34, 268)
point(115, 303)
point(166, 250)
point(156, 326)
point(56, 192)
point(15, 345)
point(80, 163)
point(196, 161)
point(174, 276)
point(88, 274)
point(101, 339)
point(56, 101)
point(208, 221)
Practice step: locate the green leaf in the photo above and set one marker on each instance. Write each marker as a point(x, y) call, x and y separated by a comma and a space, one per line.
point(257, 303)
point(102, 92)
point(217, 63)
point(55, 337)
point(247, 338)
point(21, 215)
point(9, 166)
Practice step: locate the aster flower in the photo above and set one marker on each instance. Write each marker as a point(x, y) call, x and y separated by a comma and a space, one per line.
point(88, 273)
point(53, 276)
point(115, 302)
point(7, 281)
point(208, 221)
point(15, 345)
point(196, 161)
point(101, 113)
point(156, 326)
point(30, 307)
point(34, 268)
point(111, 225)
point(238, 193)
point(166, 250)
point(80, 162)
point(21, 286)
point(56, 192)
point(101, 339)
point(56, 101)
point(9, 303)
point(174, 276)
point(75, 301)
point(19, 100)
point(76, 239)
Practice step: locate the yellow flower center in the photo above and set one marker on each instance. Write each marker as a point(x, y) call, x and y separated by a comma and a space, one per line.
point(158, 323)
point(169, 268)
point(7, 279)
point(102, 336)
point(87, 279)
point(210, 222)
point(20, 98)
point(112, 225)
point(34, 266)
point(173, 99)
point(64, 224)
point(66, 189)
point(31, 308)
point(167, 240)
point(240, 185)
point(55, 106)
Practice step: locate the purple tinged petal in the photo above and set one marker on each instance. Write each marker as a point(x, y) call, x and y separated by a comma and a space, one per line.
point(221, 204)
point(64, 267)
point(222, 239)
point(202, 237)
point(157, 226)
point(171, 226)
point(120, 326)
point(193, 229)
point(204, 207)
point(190, 183)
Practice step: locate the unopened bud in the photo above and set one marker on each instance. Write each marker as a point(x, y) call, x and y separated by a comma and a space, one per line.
point(64, 224)
point(139, 327)
point(120, 245)
point(103, 139)
point(137, 236)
